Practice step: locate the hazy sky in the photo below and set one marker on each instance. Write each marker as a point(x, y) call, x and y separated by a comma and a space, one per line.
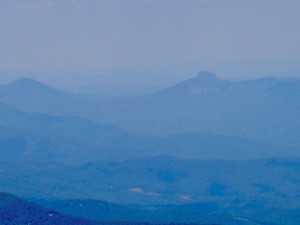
point(64, 39)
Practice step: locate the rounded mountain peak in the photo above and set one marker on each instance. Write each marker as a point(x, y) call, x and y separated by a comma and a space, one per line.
point(27, 84)
point(24, 81)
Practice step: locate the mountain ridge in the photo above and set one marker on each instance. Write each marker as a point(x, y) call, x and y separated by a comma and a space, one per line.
point(75, 139)
point(250, 109)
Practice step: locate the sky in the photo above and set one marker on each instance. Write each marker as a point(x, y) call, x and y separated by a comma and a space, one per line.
point(147, 42)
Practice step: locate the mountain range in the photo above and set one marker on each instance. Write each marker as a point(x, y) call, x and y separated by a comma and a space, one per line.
point(205, 150)
point(265, 110)
point(71, 139)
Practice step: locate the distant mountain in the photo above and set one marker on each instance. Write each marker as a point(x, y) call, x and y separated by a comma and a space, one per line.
point(202, 83)
point(266, 110)
point(194, 131)
point(40, 137)
point(33, 96)
point(69, 139)
point(26, 84)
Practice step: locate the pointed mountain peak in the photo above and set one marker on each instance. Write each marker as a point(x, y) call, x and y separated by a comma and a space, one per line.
point(202, 83)
point(206, 76)
point(203, 78)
